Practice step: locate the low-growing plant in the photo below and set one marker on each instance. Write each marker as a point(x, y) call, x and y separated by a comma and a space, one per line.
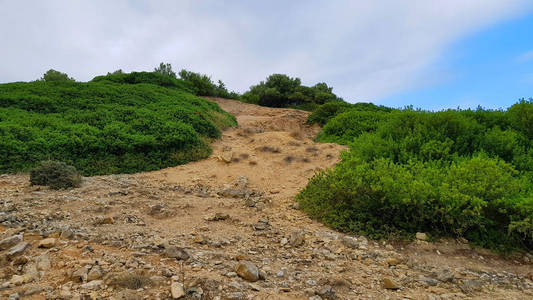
point(57, 175)
point(449, 173)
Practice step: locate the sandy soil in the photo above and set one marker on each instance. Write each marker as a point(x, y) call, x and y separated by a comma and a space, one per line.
point(236, 205)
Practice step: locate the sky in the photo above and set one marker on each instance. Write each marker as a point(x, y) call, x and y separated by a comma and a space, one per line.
point(429, 54)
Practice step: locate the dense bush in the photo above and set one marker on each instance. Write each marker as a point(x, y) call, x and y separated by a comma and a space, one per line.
point(104, 127)
point(146, 77)
point(455, 173)
point(53, 75)
point(57, 175)
point(204, 86)
point(280, 90)
point(323, 113)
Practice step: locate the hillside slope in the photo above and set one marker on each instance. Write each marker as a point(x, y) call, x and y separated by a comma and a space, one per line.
point(195, 223)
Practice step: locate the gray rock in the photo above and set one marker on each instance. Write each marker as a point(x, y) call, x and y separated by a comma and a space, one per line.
point(14, 296)
point(10, 241)
point(92, 285)
point(176, 290)
point(177, 253)
point(297, 239)
point(80, 275)
point(421, 236)
point(18, 249)
point(427, 280)
point(471, 285)
point(43, 262)
point(350, 242)
point(445, 275)
point(95, 273)
point(247, 271)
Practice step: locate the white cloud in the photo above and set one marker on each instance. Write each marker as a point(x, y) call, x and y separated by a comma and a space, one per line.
point(528, 56)
point(364, 49)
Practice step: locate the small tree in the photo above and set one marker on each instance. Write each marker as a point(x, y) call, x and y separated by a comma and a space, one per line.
point(119, 71)
point(53, 75)
point(165, 69)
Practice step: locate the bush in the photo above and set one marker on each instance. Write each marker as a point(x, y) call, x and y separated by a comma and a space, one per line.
point(103, 127)
point(53, 75)
point(204, 86)
point(450, 173)
point(57, 175)
point(146, 77)
point(280, 90)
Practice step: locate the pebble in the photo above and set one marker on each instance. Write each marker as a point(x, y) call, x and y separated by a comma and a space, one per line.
point(47, 243)
point(247, 271)
point(176, 290)
point(10, 241)
point(421, 236)
point(390, 284)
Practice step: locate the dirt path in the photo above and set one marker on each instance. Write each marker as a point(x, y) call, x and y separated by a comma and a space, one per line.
point(135, 236)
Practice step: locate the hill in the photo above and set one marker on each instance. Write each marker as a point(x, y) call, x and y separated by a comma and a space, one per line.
point(106, 126)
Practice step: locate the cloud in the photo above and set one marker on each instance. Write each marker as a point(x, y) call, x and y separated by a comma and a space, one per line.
point(528, 56)
point(366, 50)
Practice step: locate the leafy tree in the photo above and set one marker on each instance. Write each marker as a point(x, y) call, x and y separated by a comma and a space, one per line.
point(280, 90)
point(53, 75)
point(165, 69)
point(119, 71)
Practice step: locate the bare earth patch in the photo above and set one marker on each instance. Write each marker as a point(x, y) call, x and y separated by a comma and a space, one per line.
point(226, 228)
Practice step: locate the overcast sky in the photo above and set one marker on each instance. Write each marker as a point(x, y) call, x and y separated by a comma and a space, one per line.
point(367, 50)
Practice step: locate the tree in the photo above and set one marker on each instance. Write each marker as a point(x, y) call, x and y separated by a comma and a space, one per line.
point(165, 69)
point(119, 71)
point(53, 75)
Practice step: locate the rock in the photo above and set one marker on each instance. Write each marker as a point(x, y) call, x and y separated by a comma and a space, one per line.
point(392, 261)
point(177, 253)
point(95, 273)
point(18, 249)
point(350, 242)
point(218, 217)
point(421, 236)
point(297, 239)
point(316, 297)
point(427, 280)
point(14, 296)
point(33, 290)
point(261, 225)
point(471, 285)
point(47, 243)
point(226, 157)
point(390, 284)
point(176, 290)
point(327, 293)
point(10, 241)
point(43, 262)
point(445, 275)
point(128, 295)
point(247, 271)
point(92, 285)
point(158, 280)
point(80, 275)
point(17, 280)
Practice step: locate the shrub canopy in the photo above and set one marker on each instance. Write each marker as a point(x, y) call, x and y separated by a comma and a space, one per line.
point(456, 173)
point(104, 126)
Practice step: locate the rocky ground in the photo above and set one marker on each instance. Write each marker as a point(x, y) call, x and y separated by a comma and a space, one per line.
point(226, 228)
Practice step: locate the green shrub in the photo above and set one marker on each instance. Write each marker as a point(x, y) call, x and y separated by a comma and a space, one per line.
point(146, 77)
point(104, 127)
point(204, 86)
point(53, 75)
point(280, 90)
point(57, 175)
point(450, 173)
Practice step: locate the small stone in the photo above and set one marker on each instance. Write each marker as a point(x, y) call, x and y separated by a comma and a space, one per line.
point(327, 293)
point(80, 275)
point(17, 280)
point(95, 273)
point(350, 242)
point(47, 243)
point(392, 261)
point(428, 281)
point(18, 249)
point(176, 290)
point(43, 262)
point(218, 217)
point(247, 271)
point(390, 284)
point(471, 285)
point(14, 296)
point(177, 253)
point(92, 285)
point(445, 275)
point(297, 239)
point(421, 236)
point(10, 241)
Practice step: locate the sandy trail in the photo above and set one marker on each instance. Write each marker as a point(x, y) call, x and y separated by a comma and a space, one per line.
point(237, 204)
